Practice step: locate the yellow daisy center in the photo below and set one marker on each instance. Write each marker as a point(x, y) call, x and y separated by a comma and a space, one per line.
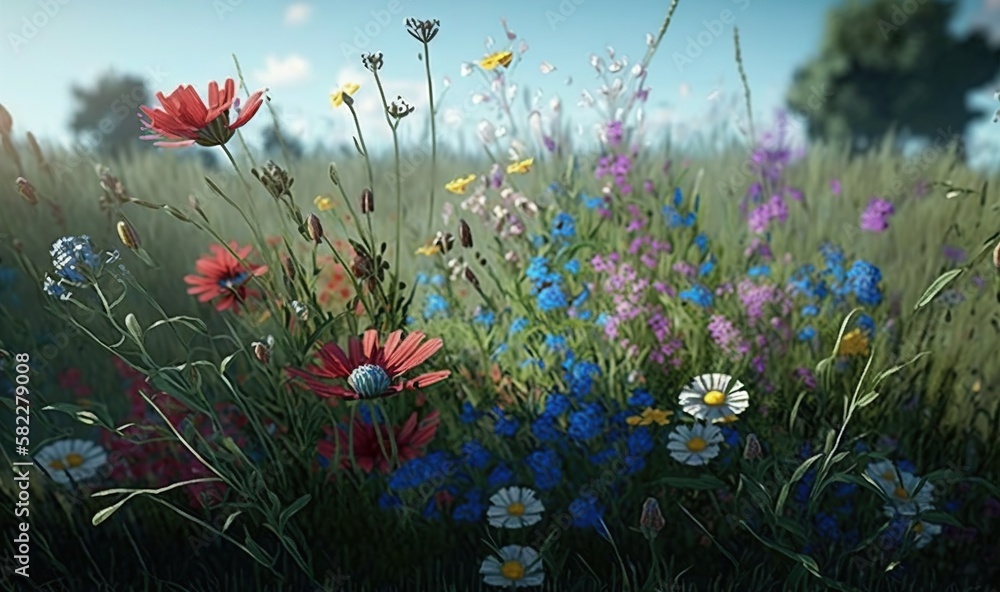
point(714, 398)
point(901, 493)
point(57, 465)
point(516, 509)
point(697, 444)
point(889, 475)
point(918, 528)
point(512, 570)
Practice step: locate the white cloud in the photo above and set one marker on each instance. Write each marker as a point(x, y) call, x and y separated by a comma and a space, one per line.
point(297, 14)
point(283, 71)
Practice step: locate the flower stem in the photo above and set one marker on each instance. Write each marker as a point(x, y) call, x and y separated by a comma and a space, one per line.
point(430, 98)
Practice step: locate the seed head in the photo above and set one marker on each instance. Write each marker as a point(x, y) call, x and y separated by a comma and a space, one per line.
point(27, 190)
point(465, 233)
point(128, 235)
point(399, 108)
point(315, 228)
point(275, 179)
point(367, 201)
point(423, 31)
point(372, 62)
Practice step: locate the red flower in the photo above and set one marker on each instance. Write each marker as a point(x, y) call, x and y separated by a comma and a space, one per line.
point(371, 368)
point(71, 380)
point(370, 453)
point(185, 119)
point(224, 277)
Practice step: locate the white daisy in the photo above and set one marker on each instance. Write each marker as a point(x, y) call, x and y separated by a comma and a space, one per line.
point(901, 488)
point(71, 460)
point(514, 507)
point(922, 532)
point(516, 566)
point(695, 445)
point(884, 474)
point(714, 397)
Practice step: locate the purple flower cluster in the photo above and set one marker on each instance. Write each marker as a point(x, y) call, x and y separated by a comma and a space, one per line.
point(875, 218)
point(616, 166)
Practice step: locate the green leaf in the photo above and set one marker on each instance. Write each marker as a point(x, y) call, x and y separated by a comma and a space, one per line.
point(291, 510)
point(867, 399)
point(795, 410)
point(796, 476)
point(229, 520)
point(226, 362)
point(133, 327)
point(935, 288)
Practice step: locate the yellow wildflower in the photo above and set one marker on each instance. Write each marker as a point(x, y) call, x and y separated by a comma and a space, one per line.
point(727, 419)
point(500, 58)
point(337, 98)
point(854, 343)
point(323, 203)
point(431, 249)
point(650, 416)
point(521, 167)
point(263, 317)
point(460, 185)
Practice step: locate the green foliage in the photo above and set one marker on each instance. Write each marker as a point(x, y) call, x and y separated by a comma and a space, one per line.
point(889, 65)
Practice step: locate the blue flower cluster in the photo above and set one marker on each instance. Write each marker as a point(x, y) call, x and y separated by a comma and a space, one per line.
point(673, 216)
point(74, 259)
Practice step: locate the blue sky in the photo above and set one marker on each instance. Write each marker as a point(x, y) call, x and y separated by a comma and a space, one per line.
point(302, 51)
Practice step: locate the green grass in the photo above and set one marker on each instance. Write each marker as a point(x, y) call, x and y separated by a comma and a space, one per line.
point(928, 393)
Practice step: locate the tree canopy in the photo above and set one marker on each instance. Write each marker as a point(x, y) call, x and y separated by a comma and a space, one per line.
point(105, 114)
point(889, 65)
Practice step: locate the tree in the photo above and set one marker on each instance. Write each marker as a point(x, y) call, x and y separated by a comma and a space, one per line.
point(273, 138)
point(105, 117)
point(891, 66)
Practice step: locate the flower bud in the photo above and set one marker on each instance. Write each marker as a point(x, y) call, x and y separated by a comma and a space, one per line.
point(651, 521)
point(261, 352)
point(465, 234)
point(469, 275)
point(334, 175)
point(996, 257)
point(27, 190)
point(127, 234)
point(315, 228)
point(753, 449)
point(367, 201)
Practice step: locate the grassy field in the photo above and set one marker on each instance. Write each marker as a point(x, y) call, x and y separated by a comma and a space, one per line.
point(569, 341)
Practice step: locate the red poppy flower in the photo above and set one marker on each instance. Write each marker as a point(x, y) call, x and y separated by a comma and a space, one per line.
point(370, 368)
point(224, 277)
point(370, 453)
point(184, 119)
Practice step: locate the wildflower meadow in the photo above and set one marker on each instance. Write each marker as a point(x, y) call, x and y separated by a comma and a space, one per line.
point(531, 365)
